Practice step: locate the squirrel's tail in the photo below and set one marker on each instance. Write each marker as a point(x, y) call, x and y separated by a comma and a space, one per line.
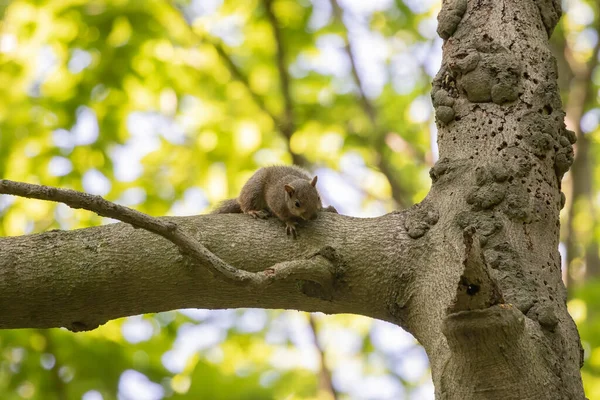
point(230, 206)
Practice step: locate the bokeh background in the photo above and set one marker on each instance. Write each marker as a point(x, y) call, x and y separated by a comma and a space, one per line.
point(169, 106)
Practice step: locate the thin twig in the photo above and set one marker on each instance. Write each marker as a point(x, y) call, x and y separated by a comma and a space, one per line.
point(325, 380)
point(284, 78)
point(56, 380)
point(239, 75)
point(288, 126)
point(231, 66)
point(399, 193)
point(314, 269)
point(285, 124)
point(366, 104)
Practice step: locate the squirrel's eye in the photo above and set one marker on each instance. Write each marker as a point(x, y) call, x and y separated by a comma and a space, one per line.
point(297, 203)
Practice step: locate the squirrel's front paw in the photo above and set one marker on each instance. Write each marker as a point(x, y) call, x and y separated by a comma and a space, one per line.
point(262, 214)
point(290, 229)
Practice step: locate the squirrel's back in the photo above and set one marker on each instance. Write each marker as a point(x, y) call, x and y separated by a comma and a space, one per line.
point(275, 173)
point(254, 191)
point(286, 191)
point(265, 192)
point(265, 189)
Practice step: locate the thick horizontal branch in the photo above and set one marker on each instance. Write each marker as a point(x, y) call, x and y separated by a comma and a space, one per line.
point(83, 278)
point(166, 229)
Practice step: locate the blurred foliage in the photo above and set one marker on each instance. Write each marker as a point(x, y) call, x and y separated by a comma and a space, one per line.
point(576, 45)
point(585, 309)
point(168, 107)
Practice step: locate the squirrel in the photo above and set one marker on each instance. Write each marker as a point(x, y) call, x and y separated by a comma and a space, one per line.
point(288, 192)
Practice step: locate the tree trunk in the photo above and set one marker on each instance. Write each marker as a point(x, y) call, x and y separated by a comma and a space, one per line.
point(505, 149)
point(473, 271)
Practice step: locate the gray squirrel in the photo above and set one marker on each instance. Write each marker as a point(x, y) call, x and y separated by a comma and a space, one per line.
point(287, 191)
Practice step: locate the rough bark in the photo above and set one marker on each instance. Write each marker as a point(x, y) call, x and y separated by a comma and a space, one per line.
point(82, 278)
point(505, 149)
point(473, 271)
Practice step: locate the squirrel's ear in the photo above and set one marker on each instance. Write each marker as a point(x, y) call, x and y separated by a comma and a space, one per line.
point(314, 181)
point(290, 189)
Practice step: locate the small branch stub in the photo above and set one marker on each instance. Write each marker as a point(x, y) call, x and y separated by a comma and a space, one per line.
point(316, 275)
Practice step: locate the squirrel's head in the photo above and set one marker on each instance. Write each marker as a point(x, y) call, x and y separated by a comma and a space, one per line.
point(302, 198)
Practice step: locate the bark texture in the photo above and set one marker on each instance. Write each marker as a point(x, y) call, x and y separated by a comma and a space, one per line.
point(83, 278)
point(473, 271)
point(505, 149)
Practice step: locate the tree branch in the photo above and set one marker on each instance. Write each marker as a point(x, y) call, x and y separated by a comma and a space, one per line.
point(399, 193)
point(240, 76)
point(288, 125)
point(55, 378)
point(284, 125)
point(82, 278)
point(284, 79)
point(364, 100)
point(325, 381)
point(316, 269)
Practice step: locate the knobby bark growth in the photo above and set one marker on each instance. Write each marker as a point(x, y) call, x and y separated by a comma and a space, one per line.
point(473, 271)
